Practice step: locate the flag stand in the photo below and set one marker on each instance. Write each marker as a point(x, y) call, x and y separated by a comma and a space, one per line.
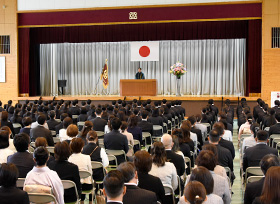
point(101, 77)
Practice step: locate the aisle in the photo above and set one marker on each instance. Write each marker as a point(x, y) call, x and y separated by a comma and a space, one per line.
point(236, 188)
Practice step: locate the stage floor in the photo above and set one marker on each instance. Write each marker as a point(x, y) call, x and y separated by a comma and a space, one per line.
point(158, 97)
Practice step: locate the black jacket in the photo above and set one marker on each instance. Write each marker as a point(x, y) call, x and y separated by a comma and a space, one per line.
point(99, 124)
point(13, 195)
point(40, 131)
point(252, 191)
point(146, 126)
point(136, 195)
point(177, 160)
point(52, 123)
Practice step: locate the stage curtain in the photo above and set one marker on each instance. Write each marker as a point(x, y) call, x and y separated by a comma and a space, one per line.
point(215, 67)
point(250, 30)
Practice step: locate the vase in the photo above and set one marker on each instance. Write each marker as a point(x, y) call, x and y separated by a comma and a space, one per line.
point(178, 85)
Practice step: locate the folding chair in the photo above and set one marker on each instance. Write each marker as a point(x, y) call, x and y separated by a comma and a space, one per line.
point(272, 137)
point(17, 127)
point(164, 128)
point(255, 171)
point(53, 133)
point(189, 163)
point(228, 171)
point(275, 141)
point(41, 198)
point(114, 159)
point(100, 133)
point(169, 127)
point(58, 120)
point(80, 125)
point(56, 140)
point(20, 182)
point(136, 142)
point(84, 175)
point(252, 179)
point(67, 184)
point(101, 143)
point(50, 149)
point(157, 132)
point(169, 191)
point(97, 165)
point(116, 153)
point(176, 122)
point(146, 135)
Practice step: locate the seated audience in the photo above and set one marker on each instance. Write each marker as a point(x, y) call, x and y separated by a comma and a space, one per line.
point(42, 175)
point(195, 193)
point(96, 153)
point(114, 188)
point(251, 141)
point(254, 189)
point(185, 148)
point(35, 124)
point(72, 131)
point(274, 129)
point(143, 163)
point(16, 118)
point(134, 194)
point(60, 125)
point(135, 130)
point(98, 122)
point(9, 193)
point(83, 162)
point(245, 128)
point(22, 158)
point(219, 170)
point(202, 175)
point(62, 132)
point(144, 124)
point(201, 126)
point(41, 141)
point(114, 140)
point(52, 123)
point(271, 185)
point(253, 155)
point(66, 170)
point(88, 126)
point(26, 121)
point(5, 122)
point(41, 131)
point(221, 186)
point(155, 119)
point(4, 146)
point(166, 171)
point(83, 116)
point(11, 143)
point(195, 130)
point(190, 138)
point(129, 137)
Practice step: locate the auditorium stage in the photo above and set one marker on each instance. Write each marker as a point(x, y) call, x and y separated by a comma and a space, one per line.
point(192, 103)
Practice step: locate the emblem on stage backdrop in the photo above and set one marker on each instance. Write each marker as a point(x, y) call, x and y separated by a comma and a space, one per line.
point(104, 75)
point(132, 15)
point(178, 70)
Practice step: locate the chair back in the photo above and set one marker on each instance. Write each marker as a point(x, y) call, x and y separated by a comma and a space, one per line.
point(157, 130)
point(97, 165)
point(20, 182)
point(116, 152)
point(56, 140)
point(136, 142)
point(146, 135)
point(53, 133)
point(99, 133)
point(41, 198)
point(70, 184)
point(188, 162)
point(255, 171)
point(114, 159)
point(169, 191)
point(75, 116)
point(228, 171)
point(50, 149)
point(252, 179)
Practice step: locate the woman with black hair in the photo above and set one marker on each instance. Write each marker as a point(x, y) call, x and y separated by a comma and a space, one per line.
point(9, 193)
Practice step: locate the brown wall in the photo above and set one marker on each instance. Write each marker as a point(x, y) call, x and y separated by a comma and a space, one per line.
point(8, 26)
point(270, 56)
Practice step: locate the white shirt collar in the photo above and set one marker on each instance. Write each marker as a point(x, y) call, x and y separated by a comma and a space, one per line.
point(114, 201)
point(130, 184)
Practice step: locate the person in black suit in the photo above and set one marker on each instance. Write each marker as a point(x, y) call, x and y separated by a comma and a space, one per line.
point(26, 121)
point(275, 129)
point(143, 163)
point(114, 140)
point(22, 158)
point(83, 116)
point(52, 123)
point(9, 193)
point(224, 143)
point(66, 170)
point(144, 124)
point(40, 131)
point(99, 123)
point(155, 119)
point(5, 122)
point(192, 119)
point(257, 108)
point(139, 74)
point(75, 109)
point(254, 189)
point(114, 188)
point(134, 194)
point(253, 155)
point(171, 156)
point(60, 125)
point(224, 155)
point(214, 108)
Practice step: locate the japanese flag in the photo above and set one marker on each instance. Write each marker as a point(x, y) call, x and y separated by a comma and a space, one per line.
point(144, 51)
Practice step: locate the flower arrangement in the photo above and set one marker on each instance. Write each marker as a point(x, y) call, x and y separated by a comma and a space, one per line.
point(178, 69)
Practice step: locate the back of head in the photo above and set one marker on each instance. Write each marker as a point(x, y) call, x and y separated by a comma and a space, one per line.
point(4, 116)
point(98, 111)
point(26, 121)
point(66, 122)
point(262, 135)
point(87, 127)
point(144, 114)
point(143, 161)
point(155, 112)
point(268, 161)
point(206, 159)
point(204, 176)
point(4, 139)
point(72, 130)
point(76, 145)
point(91, 135)
point(192, 119)
point(41, 141)
point(158, 154)
point(113, 184)
point(8, 175)
point(128, 170)
point(271, 186)
point(63, 116)
point(41, 156)
point(211, 148)
point(116, 123)
point(219, 126)
point(21, 142)
point(52, 114)
point(124, 126)
point(255, 127)
point(210, 101)
point(41, 119)
point(166, 140)
point(132, 121)
point(195, 192)
point(214, 136)
point(62, 151)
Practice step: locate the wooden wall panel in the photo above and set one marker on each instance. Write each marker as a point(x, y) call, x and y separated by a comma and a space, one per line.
point(270, 56)
point(8, 26)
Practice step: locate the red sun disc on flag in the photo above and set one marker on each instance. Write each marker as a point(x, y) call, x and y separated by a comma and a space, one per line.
point(144, 51)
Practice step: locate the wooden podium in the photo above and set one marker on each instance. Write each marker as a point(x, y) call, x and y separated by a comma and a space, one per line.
point(138, 87)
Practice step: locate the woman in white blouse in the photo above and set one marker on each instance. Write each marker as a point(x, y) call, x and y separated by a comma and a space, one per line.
point(166, 171)
point(83, 162)
point(129, 138)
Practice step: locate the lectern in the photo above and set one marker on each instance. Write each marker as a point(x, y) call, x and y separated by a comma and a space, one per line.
point(138, 87)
